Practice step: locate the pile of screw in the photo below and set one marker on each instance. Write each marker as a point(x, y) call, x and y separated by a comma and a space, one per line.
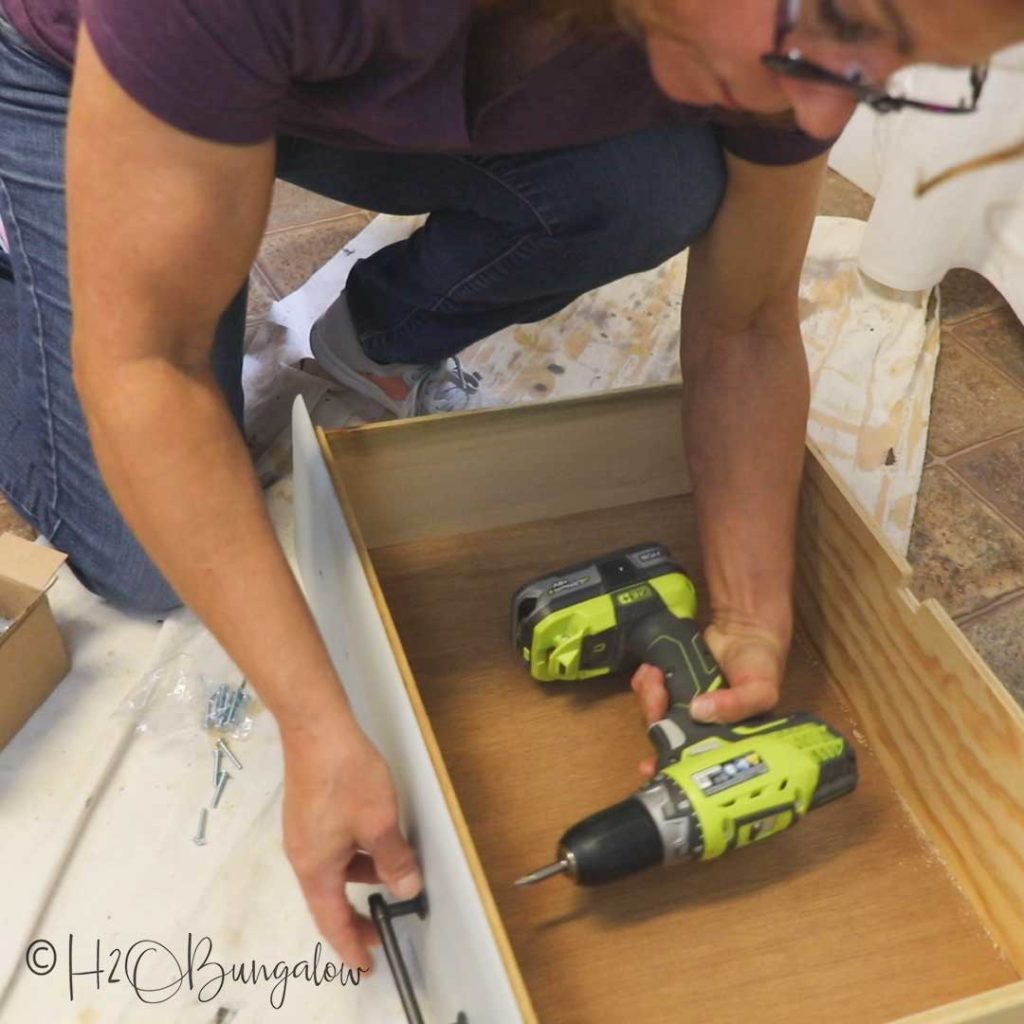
point(225, 707)
point(220, 780)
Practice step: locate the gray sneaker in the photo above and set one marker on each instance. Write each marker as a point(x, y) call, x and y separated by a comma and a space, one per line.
point(433, 387)
point(443, 387)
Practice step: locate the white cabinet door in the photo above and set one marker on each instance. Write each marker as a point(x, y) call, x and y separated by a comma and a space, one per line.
point(452, 954)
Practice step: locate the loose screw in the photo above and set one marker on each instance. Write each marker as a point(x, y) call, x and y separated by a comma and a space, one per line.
point(217, 793)
point(200, 837)
point(221, 745)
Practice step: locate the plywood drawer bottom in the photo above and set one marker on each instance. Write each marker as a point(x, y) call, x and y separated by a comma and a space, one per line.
point(849, 918)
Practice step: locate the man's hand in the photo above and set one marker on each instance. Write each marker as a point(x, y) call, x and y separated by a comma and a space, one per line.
point(752, 659)
point(341, 824)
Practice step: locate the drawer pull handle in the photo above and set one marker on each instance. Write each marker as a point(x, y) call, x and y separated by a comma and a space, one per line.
point(383, 914)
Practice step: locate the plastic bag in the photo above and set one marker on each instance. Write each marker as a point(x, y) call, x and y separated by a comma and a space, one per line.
point(176, 697)
point(225, 709)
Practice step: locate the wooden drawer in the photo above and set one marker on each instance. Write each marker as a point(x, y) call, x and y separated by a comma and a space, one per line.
point(903, 902)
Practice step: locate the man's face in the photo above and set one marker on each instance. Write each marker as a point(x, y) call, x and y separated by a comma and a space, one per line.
point(710, 50)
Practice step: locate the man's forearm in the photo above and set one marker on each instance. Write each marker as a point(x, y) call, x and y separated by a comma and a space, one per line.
point(746, 400)
point(180, 473)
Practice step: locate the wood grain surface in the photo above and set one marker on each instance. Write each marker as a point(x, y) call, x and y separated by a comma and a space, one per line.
point(496, 467)
point(848, 918)
point(948, 733)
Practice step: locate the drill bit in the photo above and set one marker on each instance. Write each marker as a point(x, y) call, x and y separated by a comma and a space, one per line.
point(546, 872)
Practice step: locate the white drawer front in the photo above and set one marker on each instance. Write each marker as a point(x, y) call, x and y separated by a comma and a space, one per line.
point(452, 955)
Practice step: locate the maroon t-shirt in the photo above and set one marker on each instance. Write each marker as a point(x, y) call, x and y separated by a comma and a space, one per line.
point(383, 74)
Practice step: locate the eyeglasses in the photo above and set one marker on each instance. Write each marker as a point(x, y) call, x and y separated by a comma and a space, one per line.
point(792, 64)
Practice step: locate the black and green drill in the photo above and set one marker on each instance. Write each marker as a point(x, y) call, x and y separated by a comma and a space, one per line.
point(716, 787)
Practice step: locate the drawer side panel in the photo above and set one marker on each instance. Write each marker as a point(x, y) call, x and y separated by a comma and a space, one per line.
point(455, 958)
point(948, 733)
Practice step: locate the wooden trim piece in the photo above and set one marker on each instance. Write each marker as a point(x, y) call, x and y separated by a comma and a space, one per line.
point(451, 800)
point(949, 735)
point(1001, 1006)
point(550, 459)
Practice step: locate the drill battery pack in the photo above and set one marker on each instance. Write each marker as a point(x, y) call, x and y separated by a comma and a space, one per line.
point(574, 623)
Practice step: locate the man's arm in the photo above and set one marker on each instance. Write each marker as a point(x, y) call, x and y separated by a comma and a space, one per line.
point(746, 399)
point(162, 230)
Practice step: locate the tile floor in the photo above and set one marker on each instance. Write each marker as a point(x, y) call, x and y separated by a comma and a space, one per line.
point(967, 548)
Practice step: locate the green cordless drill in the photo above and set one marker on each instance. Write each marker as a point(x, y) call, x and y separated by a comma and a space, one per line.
point(716, 787)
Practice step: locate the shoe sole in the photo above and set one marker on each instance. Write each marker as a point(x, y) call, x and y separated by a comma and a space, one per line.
point(356, 381)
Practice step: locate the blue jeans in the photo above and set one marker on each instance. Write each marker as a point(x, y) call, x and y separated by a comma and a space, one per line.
point(510, 239)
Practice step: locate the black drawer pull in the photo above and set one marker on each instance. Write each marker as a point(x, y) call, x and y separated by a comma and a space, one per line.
point(383, 913)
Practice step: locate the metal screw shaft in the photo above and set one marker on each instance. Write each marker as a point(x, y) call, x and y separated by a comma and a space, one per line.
point(218, 792)
point(221, 745)
point(200, 837)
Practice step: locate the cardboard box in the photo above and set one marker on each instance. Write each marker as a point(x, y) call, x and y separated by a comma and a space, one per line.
point(33, 657)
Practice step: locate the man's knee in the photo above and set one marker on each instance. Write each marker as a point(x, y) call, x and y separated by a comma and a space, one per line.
point(662, 192)
point(146, 592)
point(118, 570)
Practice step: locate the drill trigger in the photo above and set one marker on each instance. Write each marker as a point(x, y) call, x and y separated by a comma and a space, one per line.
point(668, 738)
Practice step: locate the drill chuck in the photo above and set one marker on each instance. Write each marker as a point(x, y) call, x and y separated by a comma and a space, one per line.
point(612, 844)
point(653, 826)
